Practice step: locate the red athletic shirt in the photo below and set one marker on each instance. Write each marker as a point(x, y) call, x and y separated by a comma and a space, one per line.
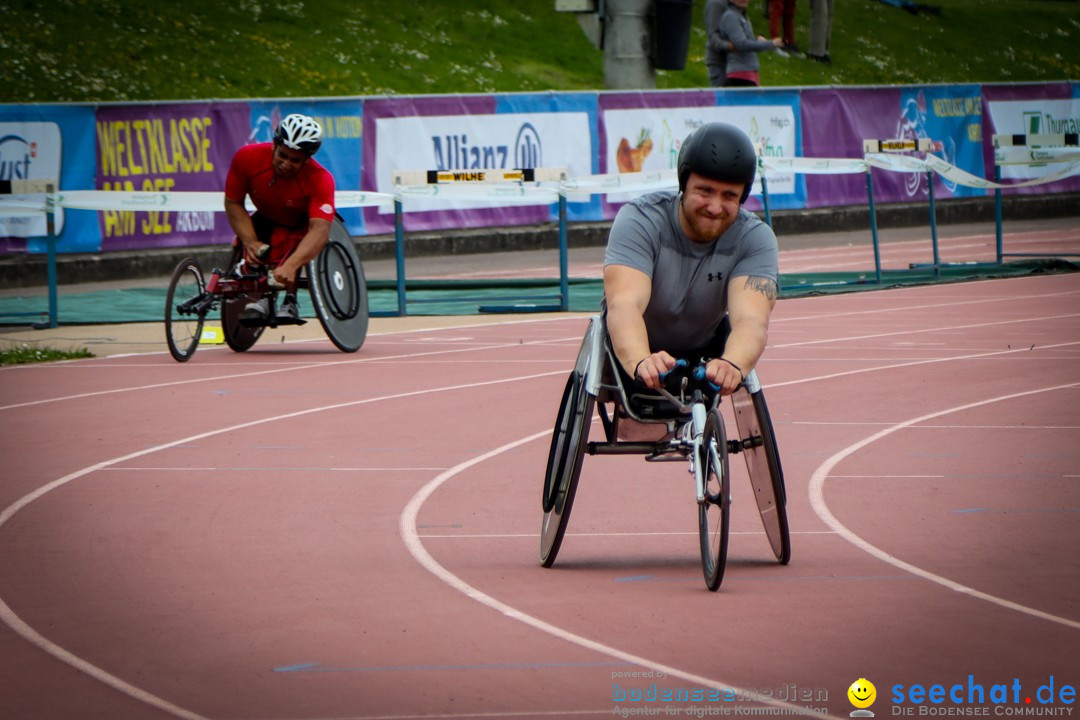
point(289, 202)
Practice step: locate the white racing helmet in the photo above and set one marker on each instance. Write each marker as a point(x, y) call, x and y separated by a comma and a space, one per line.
point(299, 132)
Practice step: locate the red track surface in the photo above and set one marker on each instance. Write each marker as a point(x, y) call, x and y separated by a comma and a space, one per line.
point(298, 533)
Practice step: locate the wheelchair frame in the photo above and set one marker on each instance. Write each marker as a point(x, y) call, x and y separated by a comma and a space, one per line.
point(335, 280)
point(694, 433)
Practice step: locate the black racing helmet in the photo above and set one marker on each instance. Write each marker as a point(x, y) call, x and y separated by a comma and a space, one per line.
point(718, 151)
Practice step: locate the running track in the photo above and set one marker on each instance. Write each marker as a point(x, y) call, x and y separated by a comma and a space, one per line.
point(295, 533)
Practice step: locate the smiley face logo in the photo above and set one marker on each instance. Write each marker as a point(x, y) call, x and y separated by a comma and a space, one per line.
point(862, 693)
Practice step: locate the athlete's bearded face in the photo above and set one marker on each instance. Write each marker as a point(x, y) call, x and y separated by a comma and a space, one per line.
point(708, 207)
point(286, 161)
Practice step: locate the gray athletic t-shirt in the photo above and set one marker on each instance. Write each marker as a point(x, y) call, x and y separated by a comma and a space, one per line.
point(689, 279)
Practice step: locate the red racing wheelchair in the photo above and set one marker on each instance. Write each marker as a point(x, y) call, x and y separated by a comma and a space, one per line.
point(335, 280)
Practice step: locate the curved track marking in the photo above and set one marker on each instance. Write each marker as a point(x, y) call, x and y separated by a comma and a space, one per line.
point(291, 368)
point(16, 623)
point(817, 500)
point(912, 363)
point(407, 525)
point(922, 331)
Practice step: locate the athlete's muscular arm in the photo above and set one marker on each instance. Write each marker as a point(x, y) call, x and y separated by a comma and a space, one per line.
point(750, 303)
point(626, 295)
point(241, 224)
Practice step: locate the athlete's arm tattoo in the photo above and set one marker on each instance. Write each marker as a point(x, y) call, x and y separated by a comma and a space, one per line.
point(765, 286)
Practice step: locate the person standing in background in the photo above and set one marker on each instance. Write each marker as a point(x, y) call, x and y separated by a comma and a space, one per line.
point(716, 45)
point(821, 14)
point(743, 68)
point(782, 13)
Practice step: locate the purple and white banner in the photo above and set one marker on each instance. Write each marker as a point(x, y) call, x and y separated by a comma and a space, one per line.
point(595, 136)
point(166, 148)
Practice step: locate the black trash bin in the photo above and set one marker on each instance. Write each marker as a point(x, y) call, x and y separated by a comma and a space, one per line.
point(671, 33)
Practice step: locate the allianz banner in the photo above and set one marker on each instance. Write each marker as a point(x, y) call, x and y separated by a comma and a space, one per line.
point(475, 132)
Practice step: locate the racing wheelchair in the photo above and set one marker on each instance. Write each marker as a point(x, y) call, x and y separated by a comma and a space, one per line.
point(680, 422)
point(335, 280)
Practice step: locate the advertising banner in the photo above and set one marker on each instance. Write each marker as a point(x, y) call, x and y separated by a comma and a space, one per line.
point(836, 121)
point(1042, 109)
point(596, 137)
point(166, 148)
point(48, 142)
point(643, 132)
point(469, 133)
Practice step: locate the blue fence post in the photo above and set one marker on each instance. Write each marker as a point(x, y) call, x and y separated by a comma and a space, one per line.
point(997, 215)
point(765, 199)
point(399, 252)
point(933, 224)
point(564, 261)
point(873, 223)
point(50, 230)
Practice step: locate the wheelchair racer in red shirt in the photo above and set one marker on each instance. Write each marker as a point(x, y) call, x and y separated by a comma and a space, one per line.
point(293, 197)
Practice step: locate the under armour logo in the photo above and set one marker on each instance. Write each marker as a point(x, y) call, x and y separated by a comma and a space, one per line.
point(715, 276)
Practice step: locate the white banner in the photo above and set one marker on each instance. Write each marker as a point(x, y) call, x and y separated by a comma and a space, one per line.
point(896, 163)
point(29, 151)
point(489, 193)
point(1032, 118)
point(624, 183)
point(814, 166)
point(196, 201)
point(500, 141)
point(1034, 156)
point(649, 139)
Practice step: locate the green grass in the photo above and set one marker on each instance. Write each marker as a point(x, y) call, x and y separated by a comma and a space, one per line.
point(26, 353)
point(111, 50)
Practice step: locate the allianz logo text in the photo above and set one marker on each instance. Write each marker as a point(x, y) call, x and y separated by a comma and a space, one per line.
point(458, 152)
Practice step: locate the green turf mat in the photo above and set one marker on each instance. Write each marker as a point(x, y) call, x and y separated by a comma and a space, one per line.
point(456, 297)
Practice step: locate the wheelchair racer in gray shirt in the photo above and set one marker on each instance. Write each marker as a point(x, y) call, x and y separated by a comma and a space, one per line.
point(678, 264)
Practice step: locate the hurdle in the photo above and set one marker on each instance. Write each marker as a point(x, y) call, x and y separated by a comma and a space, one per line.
point(1036, 150)
point(883, 154)
point(519, 186)
point(34, 197)
point(29, 198)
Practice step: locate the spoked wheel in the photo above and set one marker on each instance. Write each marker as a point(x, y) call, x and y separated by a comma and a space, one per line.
point(763, 467)
point(713, 511)
point(339, 290)
point(568, 443)
point(186, 305)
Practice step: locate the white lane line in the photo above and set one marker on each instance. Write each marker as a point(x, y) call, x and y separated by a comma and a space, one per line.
point(912, 363)
point(291, 368)
point(536, 536)
point(821, 508)
point(16, 623)
point(407, 526)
